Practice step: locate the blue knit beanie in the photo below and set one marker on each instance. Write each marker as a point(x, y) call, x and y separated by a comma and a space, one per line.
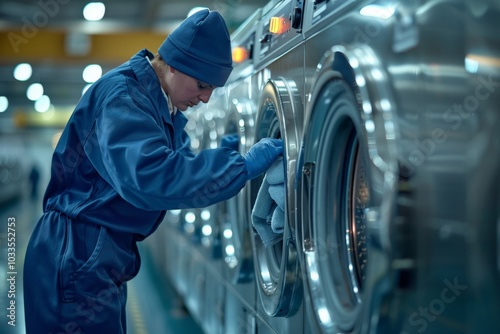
point(201, 48)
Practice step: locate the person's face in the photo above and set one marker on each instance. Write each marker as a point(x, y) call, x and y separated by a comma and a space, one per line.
point(184, 91)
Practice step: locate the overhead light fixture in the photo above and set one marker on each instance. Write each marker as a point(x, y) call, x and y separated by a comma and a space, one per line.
point(4, 103)
point(23, 71)
point(34, 91)
point(94, 11)
point(92, 73)
point(42, 104)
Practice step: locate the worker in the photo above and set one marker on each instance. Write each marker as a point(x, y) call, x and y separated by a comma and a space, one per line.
point(122, 160)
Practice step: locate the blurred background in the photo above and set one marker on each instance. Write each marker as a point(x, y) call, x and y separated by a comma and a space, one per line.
point(50, 52)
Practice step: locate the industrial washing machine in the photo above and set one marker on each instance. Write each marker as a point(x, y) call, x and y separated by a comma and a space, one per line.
point(347, 171)
point(389, 115)
point(279, 58)
point(398, 98)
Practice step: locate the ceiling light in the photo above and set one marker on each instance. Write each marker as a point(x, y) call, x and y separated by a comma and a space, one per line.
point(42, 104)
point(94, 11)
point(23, 71)
point(34, 92)
point(92, 73)
point(4, 103)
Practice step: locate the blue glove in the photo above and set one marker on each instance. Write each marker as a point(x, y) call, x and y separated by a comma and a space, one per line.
point(231, 141)
point(261, 156)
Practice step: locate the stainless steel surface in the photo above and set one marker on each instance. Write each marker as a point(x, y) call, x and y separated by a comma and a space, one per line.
point(238, 120)
point(341, 182)
point(389, 114)
point(277, 270)
point(417, 90)
point(236, 248)
point(279, 65)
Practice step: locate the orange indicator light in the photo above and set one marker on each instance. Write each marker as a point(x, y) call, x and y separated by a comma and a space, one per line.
point(240, 54)
point(279, 25)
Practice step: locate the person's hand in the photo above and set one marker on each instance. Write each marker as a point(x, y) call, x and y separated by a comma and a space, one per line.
point(231, 141)
point(261, 156)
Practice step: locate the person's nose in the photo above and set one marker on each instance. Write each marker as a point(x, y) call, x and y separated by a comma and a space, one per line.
point(205, 96)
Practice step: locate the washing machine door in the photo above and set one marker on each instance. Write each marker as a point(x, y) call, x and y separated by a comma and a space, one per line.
point(277, 266)
point(235, 240)
point(346, 174)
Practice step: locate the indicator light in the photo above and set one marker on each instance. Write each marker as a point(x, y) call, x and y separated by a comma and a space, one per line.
point(239, 54)
point(279, 25)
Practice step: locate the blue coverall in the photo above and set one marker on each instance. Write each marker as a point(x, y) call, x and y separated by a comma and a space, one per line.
point(121, 161)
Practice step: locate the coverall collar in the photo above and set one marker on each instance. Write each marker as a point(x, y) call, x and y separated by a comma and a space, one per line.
point(149, 80)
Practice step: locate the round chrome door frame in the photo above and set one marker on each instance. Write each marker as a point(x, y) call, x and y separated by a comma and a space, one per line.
point(347, 175)
point(277, 267)
point(235, 238)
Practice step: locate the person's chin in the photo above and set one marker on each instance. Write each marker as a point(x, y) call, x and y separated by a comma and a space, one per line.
point(187, 106)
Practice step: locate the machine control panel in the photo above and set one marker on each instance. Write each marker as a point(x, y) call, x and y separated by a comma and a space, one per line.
point(281, 26)
point(323, 8)
point(243, 50)
point(243, 41)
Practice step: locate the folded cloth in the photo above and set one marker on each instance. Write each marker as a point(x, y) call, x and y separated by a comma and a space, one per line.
point(275, 176)
point(268, 213)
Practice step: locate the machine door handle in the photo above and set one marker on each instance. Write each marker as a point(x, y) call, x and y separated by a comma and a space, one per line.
point(307, 201)
point(296, 18)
